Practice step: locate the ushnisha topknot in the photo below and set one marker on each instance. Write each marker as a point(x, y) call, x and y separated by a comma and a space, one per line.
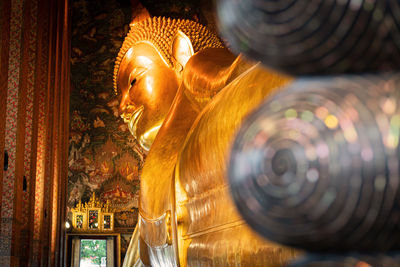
point(160, 31)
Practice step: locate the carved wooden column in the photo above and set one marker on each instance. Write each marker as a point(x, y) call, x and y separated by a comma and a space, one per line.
point(34, 96)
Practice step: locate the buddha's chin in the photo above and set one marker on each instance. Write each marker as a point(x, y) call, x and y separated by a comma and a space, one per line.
point(147, 139)
point(145, 135)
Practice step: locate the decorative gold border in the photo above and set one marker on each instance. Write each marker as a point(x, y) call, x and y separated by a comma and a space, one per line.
point(84, 209)
point(74, 217)
point(99, 218)
point(111, 221)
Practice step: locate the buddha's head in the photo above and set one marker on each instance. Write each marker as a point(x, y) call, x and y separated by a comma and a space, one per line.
point(148, 69)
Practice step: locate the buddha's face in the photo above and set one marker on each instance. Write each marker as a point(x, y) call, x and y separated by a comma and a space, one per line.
point(147, 86)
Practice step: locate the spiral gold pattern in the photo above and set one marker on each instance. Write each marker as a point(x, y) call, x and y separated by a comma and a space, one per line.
point(317, 165)
point(315, 36)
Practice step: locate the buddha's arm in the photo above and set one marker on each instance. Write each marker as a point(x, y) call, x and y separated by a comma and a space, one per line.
point(155, 184)
point(158, 168)
point(157, 176)
point(208, 70)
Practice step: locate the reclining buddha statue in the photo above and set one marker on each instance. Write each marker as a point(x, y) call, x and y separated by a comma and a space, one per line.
point(183, 95)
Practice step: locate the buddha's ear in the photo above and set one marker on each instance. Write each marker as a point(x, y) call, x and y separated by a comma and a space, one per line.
point(182, 50)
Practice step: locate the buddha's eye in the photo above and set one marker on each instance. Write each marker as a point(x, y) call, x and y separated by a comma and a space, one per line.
point(133, 82)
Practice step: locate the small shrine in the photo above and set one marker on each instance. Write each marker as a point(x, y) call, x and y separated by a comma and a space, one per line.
point(93, 216)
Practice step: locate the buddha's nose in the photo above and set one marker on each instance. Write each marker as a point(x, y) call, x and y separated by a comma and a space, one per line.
point(123, 105)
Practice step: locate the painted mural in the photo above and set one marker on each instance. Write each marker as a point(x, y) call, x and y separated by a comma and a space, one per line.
point(103, 157)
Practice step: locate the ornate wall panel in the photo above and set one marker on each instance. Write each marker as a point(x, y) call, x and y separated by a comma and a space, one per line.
point(34, 97)
point(11, 119)
point(5, 9)
point(103, 157)
point(27, 86)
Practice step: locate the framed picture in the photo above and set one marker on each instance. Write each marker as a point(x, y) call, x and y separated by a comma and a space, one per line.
point(107, 221)
point(94, 218)
point(79, 220)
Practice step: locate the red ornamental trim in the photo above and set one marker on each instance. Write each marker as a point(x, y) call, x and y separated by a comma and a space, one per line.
point(11, 126)
point(29, 109)
point(12, 105)
point(41, 89)
point(41, 151)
